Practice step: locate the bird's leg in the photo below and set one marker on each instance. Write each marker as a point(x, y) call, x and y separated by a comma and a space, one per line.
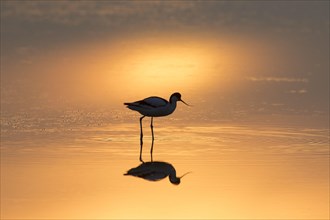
point(152, 140)
point(141, 139)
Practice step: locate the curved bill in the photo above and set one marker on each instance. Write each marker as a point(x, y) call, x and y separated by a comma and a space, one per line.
point(184, 175)
point(184, 102)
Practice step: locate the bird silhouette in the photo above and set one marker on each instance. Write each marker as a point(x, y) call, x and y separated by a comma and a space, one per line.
point(153, 107)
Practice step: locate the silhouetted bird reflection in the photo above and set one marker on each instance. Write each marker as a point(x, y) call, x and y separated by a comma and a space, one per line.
point(154, 171)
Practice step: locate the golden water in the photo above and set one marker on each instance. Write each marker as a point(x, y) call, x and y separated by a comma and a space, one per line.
point(237, 172)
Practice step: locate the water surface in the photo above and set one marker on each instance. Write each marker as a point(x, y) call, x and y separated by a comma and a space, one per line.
point(75, 171)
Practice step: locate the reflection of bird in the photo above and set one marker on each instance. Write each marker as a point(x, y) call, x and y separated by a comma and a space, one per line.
point(154, 171)
point(154, 107)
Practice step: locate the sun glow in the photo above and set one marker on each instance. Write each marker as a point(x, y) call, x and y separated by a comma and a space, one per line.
point(139, 66)
point(162, 69)
point(163, 66)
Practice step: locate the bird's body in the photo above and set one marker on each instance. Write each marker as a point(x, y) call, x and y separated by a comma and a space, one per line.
point(154, 171)
point(154, 107)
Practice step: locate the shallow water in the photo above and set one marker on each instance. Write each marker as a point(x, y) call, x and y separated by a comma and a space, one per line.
point(50, 169)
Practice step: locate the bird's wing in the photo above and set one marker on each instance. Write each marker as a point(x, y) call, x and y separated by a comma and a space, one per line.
point(153, 176)
point(146, 172)
point(140, 170)
point(153, 101)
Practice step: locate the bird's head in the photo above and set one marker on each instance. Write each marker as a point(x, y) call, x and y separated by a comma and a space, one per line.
point(177, 97)
point(177, 180)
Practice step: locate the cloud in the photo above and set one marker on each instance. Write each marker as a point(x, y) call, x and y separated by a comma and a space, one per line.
point(25, 50)
point(236, 14)
point(278, 79)
point(300, 91)
point(78, 12)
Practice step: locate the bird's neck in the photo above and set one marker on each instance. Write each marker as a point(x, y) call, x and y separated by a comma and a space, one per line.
point(173, 105)
point(172, 176)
